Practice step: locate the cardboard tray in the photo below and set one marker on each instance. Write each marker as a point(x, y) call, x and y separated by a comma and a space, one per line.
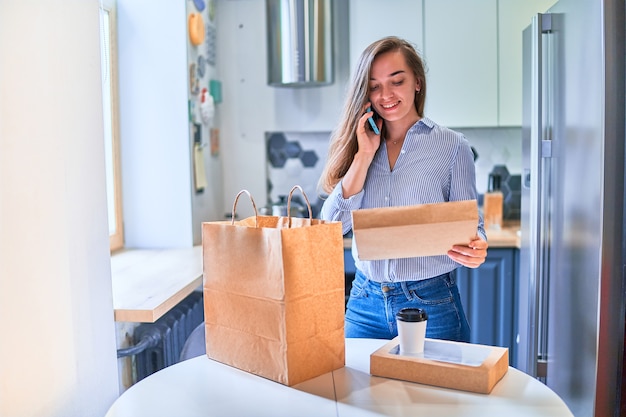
point(462, 366)
point(410, 231)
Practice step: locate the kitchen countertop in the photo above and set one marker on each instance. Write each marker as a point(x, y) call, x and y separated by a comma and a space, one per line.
point(507, 237)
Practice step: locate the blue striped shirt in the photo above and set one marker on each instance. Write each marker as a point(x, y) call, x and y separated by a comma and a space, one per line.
point(435, 165)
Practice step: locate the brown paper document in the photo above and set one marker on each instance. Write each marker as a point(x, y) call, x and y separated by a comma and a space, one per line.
point(410, 231)
point(199, 171)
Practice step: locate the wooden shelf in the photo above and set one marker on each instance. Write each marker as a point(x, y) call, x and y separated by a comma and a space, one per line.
point(147, 283)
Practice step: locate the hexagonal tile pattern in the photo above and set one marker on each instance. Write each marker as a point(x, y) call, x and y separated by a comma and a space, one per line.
point(309, 158)
point(277, 157)
point(276, 141)
point(293, 159)
point(292, 149)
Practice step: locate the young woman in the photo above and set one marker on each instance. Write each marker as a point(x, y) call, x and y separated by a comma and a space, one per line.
point(412, 161)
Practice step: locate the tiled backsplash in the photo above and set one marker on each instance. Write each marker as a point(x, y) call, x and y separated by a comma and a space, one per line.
point(299, 157)
point(295, 158)
point(499, 151)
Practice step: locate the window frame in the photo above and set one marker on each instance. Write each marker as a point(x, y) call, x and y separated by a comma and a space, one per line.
point(116, 239)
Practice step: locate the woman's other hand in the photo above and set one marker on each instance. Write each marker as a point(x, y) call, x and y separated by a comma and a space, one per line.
point(471, 255)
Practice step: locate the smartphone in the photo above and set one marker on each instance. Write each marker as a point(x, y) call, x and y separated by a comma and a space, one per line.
point(373, 123)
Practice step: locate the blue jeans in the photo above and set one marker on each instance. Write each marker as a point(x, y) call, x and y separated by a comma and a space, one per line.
point(372, 307)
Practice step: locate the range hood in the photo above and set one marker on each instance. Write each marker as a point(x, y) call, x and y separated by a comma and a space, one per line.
point(299, 43)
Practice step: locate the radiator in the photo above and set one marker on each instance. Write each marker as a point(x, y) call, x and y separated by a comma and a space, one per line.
point(165, 337)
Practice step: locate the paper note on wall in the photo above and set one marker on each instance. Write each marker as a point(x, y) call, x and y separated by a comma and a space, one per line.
point(199, 172)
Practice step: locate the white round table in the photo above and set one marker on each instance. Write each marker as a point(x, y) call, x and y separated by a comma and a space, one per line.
point(203, 387)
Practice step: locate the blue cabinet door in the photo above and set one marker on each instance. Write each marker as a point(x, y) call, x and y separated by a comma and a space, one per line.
point(490, 296)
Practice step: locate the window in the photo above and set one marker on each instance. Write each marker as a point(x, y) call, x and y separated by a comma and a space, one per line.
point(110, 115)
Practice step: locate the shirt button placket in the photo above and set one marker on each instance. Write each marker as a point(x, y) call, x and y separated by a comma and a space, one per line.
point(388, 305)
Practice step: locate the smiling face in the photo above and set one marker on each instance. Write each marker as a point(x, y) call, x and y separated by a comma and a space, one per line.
point(392, 89)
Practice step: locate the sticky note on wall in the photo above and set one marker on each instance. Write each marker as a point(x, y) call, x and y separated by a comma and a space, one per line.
point(215, 89)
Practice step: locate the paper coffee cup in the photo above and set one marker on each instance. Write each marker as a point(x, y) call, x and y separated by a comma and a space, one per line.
point(411, 330)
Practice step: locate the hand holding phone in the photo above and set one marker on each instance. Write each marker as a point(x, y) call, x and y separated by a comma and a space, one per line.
point(372, 122)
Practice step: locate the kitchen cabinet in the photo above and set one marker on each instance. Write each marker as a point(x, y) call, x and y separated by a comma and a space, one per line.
point(369, 21)
point(461, 54)
point(475, 70)
point(514, 17)
point(489, 295)
point(472, 52)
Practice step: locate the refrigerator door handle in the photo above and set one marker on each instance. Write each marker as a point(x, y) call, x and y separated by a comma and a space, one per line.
point(537, 181)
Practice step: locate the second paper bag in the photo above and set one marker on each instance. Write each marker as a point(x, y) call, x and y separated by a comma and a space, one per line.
point(274, 296)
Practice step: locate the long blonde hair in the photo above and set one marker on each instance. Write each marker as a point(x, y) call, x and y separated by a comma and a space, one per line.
point(343, 144)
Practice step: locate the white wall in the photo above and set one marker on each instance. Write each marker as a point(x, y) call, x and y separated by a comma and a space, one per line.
point(161, 208)
point(57, 348)
point(251, 107)
point(154, 128)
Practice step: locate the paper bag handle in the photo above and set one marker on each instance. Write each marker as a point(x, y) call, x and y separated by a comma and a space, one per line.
point(256, 213)
point(308, 205)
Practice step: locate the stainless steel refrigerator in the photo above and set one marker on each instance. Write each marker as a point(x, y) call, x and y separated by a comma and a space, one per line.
point(571, 307)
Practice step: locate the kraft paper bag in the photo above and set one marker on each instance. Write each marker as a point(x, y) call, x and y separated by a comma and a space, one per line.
point(410, 231)
point(274, 295)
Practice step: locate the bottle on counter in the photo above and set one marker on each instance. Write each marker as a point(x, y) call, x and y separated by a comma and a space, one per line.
point(492, 204)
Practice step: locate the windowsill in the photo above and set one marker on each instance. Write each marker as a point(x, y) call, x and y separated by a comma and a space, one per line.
point(147, 283)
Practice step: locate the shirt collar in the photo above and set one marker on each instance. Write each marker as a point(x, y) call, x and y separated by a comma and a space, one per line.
point(424, 121)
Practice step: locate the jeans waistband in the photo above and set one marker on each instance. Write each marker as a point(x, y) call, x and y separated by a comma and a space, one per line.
point(400, 287)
